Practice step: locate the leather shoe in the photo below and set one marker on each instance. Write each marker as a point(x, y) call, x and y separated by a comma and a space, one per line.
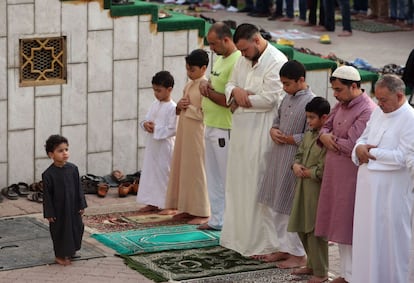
point(133, 189)
point(123, 189)
point(102, 189)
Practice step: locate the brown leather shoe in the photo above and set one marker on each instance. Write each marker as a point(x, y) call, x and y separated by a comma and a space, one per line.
point(134, 187)
point(123, 189)
point(102, 189)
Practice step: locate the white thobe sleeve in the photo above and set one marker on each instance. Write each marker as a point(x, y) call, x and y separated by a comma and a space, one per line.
point(271, 89)
point(404, 134)
point(233, 80)
point(168, 127)
point(361, 140)
point(148, 115)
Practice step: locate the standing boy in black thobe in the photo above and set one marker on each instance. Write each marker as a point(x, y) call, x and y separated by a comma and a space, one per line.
point(63, 201)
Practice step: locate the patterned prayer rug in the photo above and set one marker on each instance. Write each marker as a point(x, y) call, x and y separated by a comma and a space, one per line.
point(158, 239)
point(26, 242)
point(180, 265)
point(373, 26)
point(131, 220)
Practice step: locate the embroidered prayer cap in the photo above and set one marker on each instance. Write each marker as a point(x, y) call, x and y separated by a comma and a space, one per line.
point(347, 73)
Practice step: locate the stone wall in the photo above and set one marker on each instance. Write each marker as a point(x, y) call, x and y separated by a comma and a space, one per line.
point(110, 65)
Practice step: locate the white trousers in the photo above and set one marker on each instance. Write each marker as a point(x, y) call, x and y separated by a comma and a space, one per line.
point(345, 259)
point(289, 242)
point(217, 144)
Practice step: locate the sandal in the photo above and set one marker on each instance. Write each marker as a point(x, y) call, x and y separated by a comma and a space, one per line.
point(10, 192)
point(36, 196)
point(22, 189)
point(36, 187)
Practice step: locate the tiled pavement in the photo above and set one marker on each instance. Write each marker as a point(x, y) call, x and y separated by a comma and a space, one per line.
point(99, 270)
point(378, 49)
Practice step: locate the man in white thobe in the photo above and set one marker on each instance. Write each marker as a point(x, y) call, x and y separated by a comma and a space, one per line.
point(255, 89)
point(384, 195)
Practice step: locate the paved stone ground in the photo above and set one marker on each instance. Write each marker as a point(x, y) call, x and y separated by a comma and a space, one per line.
point(378, 49)
point(99, 270)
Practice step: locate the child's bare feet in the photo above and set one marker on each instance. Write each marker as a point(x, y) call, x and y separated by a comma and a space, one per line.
point(61, 261)
point(182, 216)
point(302, 271)
point(274, 257)
point(168, 212)
point(292, 262)
point(198, 220)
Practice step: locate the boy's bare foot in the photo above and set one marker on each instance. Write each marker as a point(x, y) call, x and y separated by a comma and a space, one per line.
point(61, 261)
point(205, 226)
point(168, 212)
point(302, 271)
point(345, 33)
point(320, 28)
point(292, 262)
point(182, 215)
point(317, 279)
point(198, 220)
point(274, 257)
point(149, 208)
point(67, 260)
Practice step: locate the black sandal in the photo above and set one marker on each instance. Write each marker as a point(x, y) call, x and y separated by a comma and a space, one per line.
point(22, 189)
point(10, 192)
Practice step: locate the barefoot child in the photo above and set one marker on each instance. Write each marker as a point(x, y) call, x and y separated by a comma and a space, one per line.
point(187, 188)
point(308, 168)
point(160, 123)
point(278, 186)
point(63, 200)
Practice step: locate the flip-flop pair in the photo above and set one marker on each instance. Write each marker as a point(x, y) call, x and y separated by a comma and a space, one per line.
point(13, 191)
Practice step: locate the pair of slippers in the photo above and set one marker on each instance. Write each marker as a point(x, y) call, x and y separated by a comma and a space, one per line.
point(15, 190)
point(36, 192)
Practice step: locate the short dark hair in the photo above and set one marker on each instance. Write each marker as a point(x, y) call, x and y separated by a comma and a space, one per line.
point(221, 29)
point(54, 141)
point(293, 70)
point(163, 78)
point(319, 106)
point(197, 57)
point(245, 31)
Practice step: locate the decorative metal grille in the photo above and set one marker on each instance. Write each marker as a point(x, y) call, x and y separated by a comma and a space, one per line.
point(42, 61)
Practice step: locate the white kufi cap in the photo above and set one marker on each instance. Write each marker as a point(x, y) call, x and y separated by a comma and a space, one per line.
point(347, 73)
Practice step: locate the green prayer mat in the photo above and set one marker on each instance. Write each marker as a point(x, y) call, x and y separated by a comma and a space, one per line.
point(193, 263)
point(26, 242)
point(158, 239)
